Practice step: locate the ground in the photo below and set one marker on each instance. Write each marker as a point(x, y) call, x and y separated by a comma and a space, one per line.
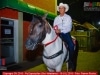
point(87, 61)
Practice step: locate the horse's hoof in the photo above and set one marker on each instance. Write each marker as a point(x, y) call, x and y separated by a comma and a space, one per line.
point(71, 70)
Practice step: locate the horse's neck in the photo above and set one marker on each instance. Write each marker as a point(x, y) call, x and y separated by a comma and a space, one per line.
point(53, 47)
point(49, 37)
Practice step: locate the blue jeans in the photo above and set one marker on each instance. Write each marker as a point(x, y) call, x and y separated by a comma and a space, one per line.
point(68, 40)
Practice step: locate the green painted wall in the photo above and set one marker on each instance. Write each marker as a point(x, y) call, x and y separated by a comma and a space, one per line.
point(24, 7)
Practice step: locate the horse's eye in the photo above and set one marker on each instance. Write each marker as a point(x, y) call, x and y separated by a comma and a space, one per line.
point(40, 25)
point(31, 30)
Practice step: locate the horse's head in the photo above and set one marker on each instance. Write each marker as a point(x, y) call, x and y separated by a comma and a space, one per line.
point(38, 29)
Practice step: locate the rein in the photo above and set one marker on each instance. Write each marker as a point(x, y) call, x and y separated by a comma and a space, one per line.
point(51, 41)
point(55, 27)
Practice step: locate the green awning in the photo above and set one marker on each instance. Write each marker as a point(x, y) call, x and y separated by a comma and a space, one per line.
point(24, 7)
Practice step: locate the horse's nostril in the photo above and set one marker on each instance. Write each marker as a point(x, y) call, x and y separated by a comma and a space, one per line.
point(30, 44)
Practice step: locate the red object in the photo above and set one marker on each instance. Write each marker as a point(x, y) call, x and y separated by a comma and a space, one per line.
point(90, 4)
point(55, 27)
point(3, 61)
point(9, 13)
point(51, 41)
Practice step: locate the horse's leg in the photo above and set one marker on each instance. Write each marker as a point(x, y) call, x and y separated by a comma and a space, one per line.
point(59, 67)
point(50, 70)
point(67, 66)
point(67, 58)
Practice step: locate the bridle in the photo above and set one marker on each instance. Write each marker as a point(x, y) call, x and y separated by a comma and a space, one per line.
point(51, 41)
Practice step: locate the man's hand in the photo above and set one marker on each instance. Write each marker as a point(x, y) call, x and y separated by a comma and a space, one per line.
point(57, 31)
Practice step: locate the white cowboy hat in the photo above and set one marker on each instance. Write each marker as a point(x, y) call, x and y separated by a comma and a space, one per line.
point(64, 5)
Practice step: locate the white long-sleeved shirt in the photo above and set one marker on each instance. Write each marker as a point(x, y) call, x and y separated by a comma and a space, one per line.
point(64, 23)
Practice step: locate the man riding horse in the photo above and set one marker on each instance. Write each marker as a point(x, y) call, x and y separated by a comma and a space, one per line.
point(55, 51)
point(63, 26)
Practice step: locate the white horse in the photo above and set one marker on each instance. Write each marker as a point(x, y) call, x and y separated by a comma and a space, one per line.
point(54, 64)
point(55, 51)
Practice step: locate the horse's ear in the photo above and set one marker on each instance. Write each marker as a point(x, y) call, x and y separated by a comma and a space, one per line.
point(33, 19)
point(47, 27)
point(44, 16)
